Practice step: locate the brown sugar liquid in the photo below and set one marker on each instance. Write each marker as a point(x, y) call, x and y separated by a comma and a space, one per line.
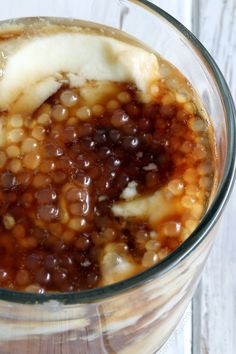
point(63, 169)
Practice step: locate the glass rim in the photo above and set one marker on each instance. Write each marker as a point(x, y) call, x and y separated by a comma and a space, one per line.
point(207, 222)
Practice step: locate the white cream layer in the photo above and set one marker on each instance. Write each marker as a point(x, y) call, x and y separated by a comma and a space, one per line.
point(37, 67)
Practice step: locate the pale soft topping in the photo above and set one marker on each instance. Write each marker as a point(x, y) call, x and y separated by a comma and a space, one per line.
point(41, 64)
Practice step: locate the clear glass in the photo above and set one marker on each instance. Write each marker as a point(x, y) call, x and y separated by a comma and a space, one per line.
point(136, 315)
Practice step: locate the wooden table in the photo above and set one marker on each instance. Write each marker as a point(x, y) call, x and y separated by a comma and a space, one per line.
point(209, 324)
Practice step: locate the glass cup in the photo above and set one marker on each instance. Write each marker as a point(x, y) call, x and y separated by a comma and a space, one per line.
point(136, 315)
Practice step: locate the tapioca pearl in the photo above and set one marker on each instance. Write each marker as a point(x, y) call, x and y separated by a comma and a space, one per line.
point(167, 110)
point(92, 280)
point(181, 97)
point(192, 190)
point(130, 129)
point(72, 121)
point(34, 288)
point(202, 140)
point(182, 115)
point(163, 253)
point(98, 110)
point(191, 225)
point(48, 212)
point(130, 143)
point(56, 131)
point(64, 163)
point(205, 183)
point(190, 108)
point(44, 108)
point(44, 119)
point(26, 199)
point(153, 245)
point(164, 70)
point(204, 168)
point(38, 132)
point(47, 166)
point(7, 180)
point(141, 237)
point(69, 98)
point(199, 152)
point(76, 194)
point(34, 260)
point(68, 236)
point(124, 97)
point(31, 160)
point(45, 196)
point(172, 242)
point(3, 159)
point(168, 99)
point(19, 231)
point(16, 121)
point(23, 178)
point(28, 243)
point(186, 147)
point(100, 136)
point(22, 277)
point(176, 187)
point(84, 130)
point(69, 134)
point(15, 166)
point(41, 180)
point(149, 259)
point(16, 135)
point(52, 150)
point(119, 118)
point(84, 113)
point(197, 124)
point(42, 277)
point(76, 209)
point(59, 177)
point(188, 201)
point(112, 105)
point(60, 279)
point(108, 235)
point(154, 90)
point(29, 145)
point(59, 113)
point(29, 123)
point(121, 248)
point(82, 243)
point(171, 228)
point(190, 176)
point(55, 229)
point(86, 180)
point(51, 262)
point(13, 151)
point(197, 210)
point(77, 224)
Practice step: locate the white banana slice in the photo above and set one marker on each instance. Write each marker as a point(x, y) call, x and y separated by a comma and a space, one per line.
point(153, 208)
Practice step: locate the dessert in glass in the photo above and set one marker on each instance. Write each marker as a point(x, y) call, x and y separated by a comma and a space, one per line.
point(114, 167)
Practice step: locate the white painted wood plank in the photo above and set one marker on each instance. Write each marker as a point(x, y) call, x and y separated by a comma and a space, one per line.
point(216, 299)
